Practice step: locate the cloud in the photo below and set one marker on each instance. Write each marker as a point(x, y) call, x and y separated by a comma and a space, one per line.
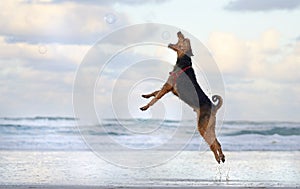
point(261, 5)
point(57, 23)
point(260, 74)
point(28, 91)
point(262, 100)
point(37, 79)
point(64, 22)
point(248, 57)
point(48, 57)
point(98, 2)
point(230, 56)
point(41, 83)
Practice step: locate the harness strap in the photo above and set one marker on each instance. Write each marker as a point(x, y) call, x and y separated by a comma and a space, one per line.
point(175, 75)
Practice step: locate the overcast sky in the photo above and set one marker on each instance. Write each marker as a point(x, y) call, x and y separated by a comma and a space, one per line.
point(255, 43)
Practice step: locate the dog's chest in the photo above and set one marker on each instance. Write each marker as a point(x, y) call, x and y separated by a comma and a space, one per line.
point(174, 89)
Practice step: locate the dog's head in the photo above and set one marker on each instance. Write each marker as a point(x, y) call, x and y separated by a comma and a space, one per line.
point(180, 35)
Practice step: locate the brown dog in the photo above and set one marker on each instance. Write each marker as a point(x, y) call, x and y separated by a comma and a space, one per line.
point(182, 82)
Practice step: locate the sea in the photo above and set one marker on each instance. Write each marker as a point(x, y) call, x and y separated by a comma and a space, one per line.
point(63, 133)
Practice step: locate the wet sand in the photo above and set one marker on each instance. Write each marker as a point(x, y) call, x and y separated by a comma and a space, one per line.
point(83, 169)
point(140, 187)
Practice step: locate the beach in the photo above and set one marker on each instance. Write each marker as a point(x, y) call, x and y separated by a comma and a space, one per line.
point(188, 169)
point(50, 152)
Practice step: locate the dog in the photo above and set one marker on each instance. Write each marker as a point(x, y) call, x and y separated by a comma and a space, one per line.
point(182, 83)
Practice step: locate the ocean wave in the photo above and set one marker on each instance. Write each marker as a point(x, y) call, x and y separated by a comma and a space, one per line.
point(36, 118)
point(276, 130)
point(53, 133)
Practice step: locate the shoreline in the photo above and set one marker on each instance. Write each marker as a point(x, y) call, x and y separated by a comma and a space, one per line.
point(126, 187)
point(84, 169)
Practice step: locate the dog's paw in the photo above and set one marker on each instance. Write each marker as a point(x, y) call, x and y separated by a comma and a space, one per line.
point(223, 158)
point(146, 96)
point(144, 108)
point(218, 159)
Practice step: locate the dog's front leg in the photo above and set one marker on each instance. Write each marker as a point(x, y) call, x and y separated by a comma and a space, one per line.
point(165, 89)
point(151, 94)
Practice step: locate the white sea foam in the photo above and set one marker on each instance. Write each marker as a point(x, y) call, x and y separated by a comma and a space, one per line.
point(59, 133)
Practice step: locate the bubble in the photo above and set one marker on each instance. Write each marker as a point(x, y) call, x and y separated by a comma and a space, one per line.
point(11, 39)
point(165, 35)
point(110, 18)
point(42, 49)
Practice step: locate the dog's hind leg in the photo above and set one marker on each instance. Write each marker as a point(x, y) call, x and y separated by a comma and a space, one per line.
point(216, 144)
point(165, 89)
point(216, 148)
point(206, 127)
point(212, 144)
point(151, 94)
point(221, 155)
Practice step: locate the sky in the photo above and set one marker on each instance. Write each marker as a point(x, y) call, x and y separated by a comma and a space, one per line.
point(255, 44)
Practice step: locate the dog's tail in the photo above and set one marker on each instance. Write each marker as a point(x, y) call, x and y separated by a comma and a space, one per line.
point(219, 99)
